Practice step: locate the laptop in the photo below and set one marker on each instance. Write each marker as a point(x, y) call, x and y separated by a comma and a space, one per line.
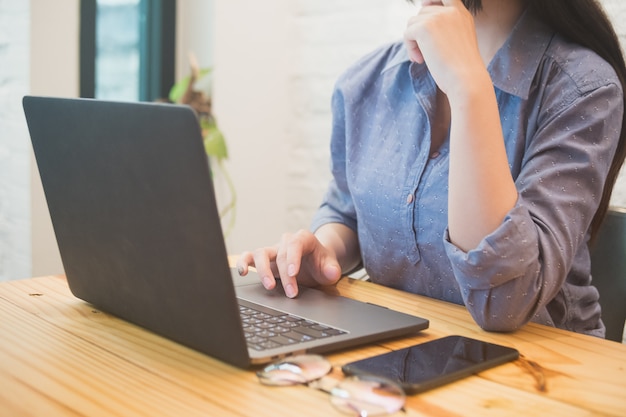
point(132, 204)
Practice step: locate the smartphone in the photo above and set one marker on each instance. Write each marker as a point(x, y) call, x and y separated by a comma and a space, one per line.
point(431, 364)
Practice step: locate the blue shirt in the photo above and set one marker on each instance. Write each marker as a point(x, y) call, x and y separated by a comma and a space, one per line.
point(561, 111)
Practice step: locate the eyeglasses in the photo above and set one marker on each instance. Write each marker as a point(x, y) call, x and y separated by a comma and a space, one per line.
point(362, 396)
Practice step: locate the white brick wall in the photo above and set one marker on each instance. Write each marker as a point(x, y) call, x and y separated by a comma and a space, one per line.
point(14, 144)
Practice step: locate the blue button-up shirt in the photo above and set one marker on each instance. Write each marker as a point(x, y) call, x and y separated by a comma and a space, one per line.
point(561, 111)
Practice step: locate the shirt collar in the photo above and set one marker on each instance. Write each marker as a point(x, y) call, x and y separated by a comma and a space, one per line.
point(399, 58)
point(514, 66)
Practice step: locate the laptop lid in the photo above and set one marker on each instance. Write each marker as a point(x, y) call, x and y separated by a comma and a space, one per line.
point(132, 204)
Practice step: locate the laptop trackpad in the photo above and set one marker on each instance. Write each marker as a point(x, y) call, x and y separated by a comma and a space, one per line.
point(310, 303)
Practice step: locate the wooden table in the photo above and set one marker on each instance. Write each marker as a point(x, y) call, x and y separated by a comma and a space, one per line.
point(59, 356)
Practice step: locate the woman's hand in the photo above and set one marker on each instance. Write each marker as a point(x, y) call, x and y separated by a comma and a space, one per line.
point(297, 258)
point(443, 36)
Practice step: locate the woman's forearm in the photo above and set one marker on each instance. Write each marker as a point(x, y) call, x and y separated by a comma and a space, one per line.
point(482, 190)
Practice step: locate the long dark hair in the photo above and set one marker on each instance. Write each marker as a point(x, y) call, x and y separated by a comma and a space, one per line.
point(585, 23)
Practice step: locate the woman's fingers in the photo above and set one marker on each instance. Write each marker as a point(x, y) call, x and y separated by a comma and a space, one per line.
point(298, 258)
point(264, 261)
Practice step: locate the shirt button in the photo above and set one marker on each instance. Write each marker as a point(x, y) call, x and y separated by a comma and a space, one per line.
point(409, 199)
point(434, 154)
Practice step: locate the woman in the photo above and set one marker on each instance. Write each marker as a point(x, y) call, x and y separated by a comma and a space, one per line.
point(472, 163)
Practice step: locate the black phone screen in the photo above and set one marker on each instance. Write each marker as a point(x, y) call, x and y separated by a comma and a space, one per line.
point(434, 363)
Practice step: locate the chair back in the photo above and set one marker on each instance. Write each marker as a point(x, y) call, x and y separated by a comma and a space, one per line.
point(608, 270)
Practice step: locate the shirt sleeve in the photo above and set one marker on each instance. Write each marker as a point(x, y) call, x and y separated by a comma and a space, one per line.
point(516, 271)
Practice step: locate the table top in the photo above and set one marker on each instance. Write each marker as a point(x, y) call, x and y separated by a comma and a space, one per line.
point(59, 356)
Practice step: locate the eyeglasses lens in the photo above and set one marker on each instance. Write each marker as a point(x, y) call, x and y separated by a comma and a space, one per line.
point(357, 395)
point(368, 396)
point(295, 370)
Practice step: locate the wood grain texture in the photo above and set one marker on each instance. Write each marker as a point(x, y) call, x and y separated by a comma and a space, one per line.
point(59, 356)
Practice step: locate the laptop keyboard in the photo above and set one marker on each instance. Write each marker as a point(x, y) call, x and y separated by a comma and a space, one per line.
point(266, 328)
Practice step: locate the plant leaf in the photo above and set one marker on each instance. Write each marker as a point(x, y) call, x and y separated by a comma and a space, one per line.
point(214, 143)
point(178, 90)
